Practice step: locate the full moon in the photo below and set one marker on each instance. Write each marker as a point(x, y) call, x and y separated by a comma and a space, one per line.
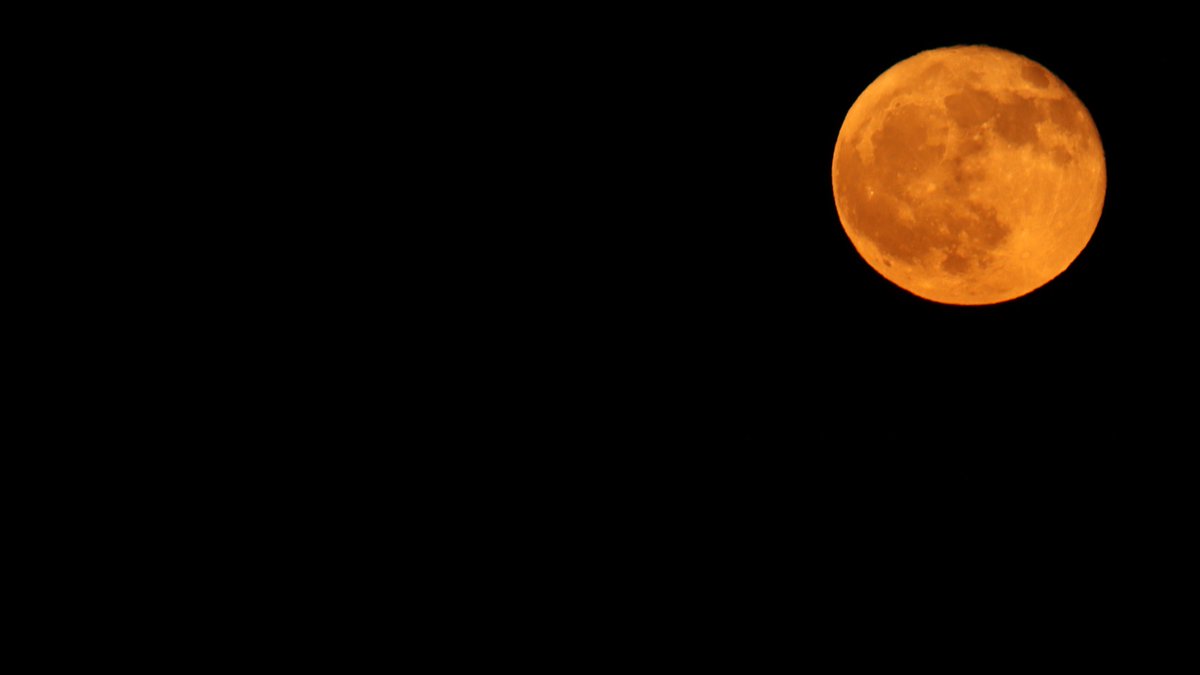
point(969, 175)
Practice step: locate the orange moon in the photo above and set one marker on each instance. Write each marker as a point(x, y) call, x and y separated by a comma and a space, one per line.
point(969, 175)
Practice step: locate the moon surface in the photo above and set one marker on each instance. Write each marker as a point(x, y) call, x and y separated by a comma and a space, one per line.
point(969, 175)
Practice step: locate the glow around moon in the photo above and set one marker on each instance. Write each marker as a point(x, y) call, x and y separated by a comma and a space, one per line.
point(969, 175)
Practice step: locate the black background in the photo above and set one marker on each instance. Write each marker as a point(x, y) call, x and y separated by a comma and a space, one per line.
point(757, 389)
point(732, 396)
point(727, 302)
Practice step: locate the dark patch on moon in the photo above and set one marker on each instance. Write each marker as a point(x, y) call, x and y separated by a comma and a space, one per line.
point(971, 108)
point(907, 148)
point(908, 143)
point(935, 70)
point(1017, 121)
point(1035, 75)
point(1072, 121)
point(956, 264)
point(1063, 113)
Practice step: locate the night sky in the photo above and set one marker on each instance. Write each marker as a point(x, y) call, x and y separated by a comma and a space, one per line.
point(775, 417)
point(734, 284)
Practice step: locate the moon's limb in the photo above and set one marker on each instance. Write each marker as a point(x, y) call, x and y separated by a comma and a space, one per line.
point(969, 175)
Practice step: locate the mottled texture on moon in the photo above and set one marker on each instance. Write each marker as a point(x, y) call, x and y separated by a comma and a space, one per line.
point(969, 175)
